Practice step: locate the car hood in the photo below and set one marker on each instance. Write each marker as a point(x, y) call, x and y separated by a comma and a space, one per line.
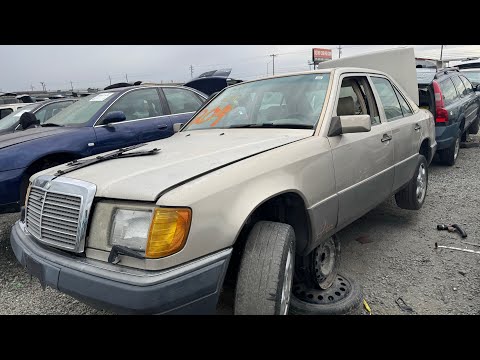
point(182, 157)
point(31, 134)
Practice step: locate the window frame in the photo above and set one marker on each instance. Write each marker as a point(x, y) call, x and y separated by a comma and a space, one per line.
point(460, 94)
point(96, 123)
point(465, 81)
point(369, 94)
point(397, 93)
point(379, 100)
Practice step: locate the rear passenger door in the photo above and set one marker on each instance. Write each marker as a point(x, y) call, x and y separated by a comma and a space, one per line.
point(146, 120)
point(405, 126)
point(471, 101)
point(181, 103)
point(363, 161)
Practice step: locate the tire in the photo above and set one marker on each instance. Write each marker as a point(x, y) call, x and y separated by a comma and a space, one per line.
point(473, 129)
point(351, 304)
point(408, 198)
point(317, 270)
point(266, 270)
point(449, 156)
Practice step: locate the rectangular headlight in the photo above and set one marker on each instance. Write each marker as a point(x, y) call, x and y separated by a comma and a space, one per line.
point(157, 233)
point(130, 228)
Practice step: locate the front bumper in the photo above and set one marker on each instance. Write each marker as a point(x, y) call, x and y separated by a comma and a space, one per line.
point(191, 288)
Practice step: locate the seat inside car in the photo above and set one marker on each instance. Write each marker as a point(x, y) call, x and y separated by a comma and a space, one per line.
point(345, 106)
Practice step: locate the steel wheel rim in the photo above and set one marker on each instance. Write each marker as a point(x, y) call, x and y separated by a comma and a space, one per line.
point(325, 258)
point(287, 284)
point(421, 182)
point(457, 148)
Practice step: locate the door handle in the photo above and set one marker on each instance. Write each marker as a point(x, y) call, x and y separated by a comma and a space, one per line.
point(386, 138)
point(417, 127)
point(162, 127)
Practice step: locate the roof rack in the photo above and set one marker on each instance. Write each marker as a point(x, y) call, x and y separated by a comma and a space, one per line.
point(444, 71)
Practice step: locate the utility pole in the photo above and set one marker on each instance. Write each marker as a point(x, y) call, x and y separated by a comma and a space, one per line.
point(339, 51)
point(191, 71)
point(126, 77)
point(441, 53)
point(71, 84)
point(31, 87)
point(43, 85)
point(273, 63)
point(110, 78)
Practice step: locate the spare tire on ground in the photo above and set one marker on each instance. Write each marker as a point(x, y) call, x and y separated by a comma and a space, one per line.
point(344, 297)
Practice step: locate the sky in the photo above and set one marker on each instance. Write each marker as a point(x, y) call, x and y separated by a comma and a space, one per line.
point(61, 66)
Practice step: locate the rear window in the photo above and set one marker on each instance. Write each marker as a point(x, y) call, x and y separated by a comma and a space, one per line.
point(468, 85)
point(448, 91)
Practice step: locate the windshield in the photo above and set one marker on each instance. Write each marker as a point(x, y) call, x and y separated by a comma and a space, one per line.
point(80, 112)
point(12, 119)
point(473, 76)
point(292, 101)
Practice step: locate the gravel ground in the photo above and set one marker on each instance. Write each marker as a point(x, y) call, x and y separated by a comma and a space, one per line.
point(396, 259)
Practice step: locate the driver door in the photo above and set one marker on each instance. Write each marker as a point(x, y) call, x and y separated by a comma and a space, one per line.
point(363, 162)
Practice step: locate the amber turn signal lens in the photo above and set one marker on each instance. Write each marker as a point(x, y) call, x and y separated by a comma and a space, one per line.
point(168, 231)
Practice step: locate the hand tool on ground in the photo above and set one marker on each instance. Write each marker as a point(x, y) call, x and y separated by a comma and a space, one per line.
point(452, 228)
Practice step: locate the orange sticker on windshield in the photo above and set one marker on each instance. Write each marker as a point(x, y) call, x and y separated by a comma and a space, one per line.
point(216, 114)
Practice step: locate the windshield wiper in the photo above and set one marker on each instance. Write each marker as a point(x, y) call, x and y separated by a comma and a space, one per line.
point(50, 124)
point(120, 153)
point(271, 125)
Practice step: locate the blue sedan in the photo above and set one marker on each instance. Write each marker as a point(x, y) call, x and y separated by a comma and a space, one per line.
point(101, 122)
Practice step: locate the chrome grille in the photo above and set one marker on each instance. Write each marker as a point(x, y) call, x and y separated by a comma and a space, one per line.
point(54, 217)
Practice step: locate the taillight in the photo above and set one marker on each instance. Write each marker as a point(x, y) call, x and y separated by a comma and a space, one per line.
point(441, 115)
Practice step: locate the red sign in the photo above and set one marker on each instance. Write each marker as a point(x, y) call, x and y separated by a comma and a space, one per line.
point(319, 54)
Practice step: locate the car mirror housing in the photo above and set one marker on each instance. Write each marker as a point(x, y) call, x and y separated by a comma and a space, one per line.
point(349, 124)
point(114, 117)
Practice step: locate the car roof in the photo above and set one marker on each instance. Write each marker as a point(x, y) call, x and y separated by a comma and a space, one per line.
point(127, 88)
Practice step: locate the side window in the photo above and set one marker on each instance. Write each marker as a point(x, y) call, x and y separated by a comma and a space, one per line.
point(403, 104)
point(5, 112)
point(181, 100)
point(40, 115)
point(459, 85)
point(448, 91)
point(389, 99)
point(356, 98)
point(468, 85)
point(138, 104)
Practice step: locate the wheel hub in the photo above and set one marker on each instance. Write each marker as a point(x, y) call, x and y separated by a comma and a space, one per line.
point(339, 290)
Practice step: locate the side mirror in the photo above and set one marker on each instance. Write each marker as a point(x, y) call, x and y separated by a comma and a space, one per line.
point(177, 127)
point(349, 124)
point(114, 117)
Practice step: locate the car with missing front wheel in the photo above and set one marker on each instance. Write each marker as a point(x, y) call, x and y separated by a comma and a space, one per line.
point(249, 193)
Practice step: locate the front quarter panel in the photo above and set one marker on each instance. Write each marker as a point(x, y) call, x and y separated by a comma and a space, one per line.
point(222, 201)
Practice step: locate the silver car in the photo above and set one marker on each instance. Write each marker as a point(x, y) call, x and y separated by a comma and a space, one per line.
point(252, 188)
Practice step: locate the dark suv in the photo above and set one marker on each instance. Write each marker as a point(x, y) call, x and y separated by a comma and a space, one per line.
point(452, 100)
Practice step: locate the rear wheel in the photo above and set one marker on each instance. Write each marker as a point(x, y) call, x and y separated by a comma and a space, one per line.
point(473, 129)
point(449, 156)
point(266, 270)
point(412, 196)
